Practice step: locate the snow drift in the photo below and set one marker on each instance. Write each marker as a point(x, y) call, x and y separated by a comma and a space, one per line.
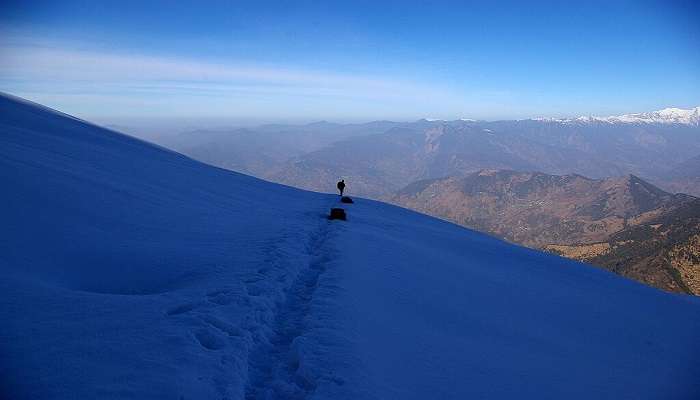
point(130, 271)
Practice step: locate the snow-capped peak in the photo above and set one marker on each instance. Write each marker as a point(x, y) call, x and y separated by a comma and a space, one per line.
point(670, 115)
point(665, 116)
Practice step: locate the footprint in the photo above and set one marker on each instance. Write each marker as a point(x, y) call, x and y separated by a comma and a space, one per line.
point(210, 339)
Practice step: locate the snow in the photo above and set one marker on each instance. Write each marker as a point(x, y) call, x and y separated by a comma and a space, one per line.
point(130, 271)
point(665, 116)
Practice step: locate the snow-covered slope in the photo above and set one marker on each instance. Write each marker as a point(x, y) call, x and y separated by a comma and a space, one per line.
point(129, 271)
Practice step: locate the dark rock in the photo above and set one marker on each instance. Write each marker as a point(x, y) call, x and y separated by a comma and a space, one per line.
point(346, 199)
point(337, 213)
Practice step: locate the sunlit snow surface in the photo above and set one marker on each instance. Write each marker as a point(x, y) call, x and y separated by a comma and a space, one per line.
point(129, 271)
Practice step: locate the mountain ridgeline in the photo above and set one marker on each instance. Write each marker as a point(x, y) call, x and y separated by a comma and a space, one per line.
point(381, 158)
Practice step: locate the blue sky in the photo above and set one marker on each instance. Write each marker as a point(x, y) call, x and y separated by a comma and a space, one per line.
point(351, 60)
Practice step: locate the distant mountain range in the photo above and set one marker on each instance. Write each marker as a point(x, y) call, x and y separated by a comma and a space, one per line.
point(602, 221)
point(380, 164)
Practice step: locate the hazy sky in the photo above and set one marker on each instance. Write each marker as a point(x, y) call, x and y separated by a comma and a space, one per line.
point(350, 60)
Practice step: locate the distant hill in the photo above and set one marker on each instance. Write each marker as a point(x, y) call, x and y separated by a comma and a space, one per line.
point(264, 150)
point(572, 215)
point(536, 209)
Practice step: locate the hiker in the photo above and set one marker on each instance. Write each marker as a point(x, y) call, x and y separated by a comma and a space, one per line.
point(341, 186)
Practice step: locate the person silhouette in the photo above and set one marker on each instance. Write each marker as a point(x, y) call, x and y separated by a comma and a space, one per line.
point(341, 186)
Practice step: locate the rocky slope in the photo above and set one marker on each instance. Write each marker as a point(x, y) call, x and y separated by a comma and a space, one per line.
point(603, 221)
point(536, 209)
point(662, 252)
